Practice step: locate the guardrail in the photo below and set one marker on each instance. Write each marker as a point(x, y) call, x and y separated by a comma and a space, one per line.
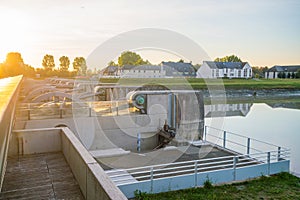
point(54, 110)
point(197, 166)
point(239, 143)
point(179, 175)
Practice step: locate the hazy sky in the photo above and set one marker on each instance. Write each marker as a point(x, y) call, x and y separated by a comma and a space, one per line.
point(260, 32)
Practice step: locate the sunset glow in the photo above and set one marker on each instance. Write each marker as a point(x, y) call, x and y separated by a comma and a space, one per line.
point(264, 33)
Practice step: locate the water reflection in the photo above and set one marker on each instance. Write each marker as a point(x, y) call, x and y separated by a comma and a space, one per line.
point(273, 122)
point(291, 105)
point(236, 109)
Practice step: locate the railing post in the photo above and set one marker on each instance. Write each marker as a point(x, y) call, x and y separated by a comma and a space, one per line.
point(28, 112)
point(60, 110)
point(196, 170)
point(268, 161)
point(278, 153)
point(90, 109)
point(235, 160)
point(248, 146)
point(138, 148)
point(117, 108)
point(224, 139)
point(205, 132)
point(151, 179)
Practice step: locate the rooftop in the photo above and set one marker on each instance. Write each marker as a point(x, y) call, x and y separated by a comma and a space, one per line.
point(290, 68)
point(222, 65)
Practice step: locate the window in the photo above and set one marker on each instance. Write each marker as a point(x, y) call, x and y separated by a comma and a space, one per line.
point(217, 72)
point(239, 73)
point(213, 73)
point(245, 72)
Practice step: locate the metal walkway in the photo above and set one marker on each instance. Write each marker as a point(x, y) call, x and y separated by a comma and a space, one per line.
point(39, 176)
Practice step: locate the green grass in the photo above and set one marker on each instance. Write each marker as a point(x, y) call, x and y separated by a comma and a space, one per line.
point(280, 186)
point(195, 83)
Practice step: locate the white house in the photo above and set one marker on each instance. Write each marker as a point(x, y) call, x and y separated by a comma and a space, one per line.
point(178, 69)
point(211, 69)
point(282, 71)
point(142, 71)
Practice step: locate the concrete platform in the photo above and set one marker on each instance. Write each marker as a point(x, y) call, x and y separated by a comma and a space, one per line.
point(39, 176)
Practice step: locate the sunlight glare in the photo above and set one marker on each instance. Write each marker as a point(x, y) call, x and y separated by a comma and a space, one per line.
point(14, 32)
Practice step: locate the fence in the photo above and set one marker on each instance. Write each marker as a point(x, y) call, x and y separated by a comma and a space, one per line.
point(51, 110)
point(179, 175)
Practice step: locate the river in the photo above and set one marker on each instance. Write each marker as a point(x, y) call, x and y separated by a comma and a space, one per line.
point(277, 123)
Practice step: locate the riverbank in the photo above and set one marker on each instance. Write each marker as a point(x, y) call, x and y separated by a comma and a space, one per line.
point(197, 84)
point(280, 186)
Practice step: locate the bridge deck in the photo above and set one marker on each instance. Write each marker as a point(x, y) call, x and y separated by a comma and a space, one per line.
point(39, 176)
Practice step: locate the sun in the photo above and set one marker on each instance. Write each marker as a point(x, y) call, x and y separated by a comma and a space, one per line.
point(14, 35)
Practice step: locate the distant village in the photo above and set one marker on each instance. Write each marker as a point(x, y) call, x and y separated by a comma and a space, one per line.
point(131, 65)
point(209, 69)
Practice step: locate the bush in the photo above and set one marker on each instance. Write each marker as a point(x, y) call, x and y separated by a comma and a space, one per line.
point(207, 184)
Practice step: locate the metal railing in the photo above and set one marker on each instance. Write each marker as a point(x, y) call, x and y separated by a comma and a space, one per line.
point(52, 110)
point(238, 143)
point(197, 166)
point(234, 161)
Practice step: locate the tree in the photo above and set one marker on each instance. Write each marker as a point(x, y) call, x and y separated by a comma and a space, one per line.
point(181, 61)
point(289, 75)
point(64, 63)
point(259, 72)
point(131, 58)
point(14, 59)
point(298, 74)
point(48, 62)
point(112, 63)
point(231, 58)
point(79, 65)
point(14, 64)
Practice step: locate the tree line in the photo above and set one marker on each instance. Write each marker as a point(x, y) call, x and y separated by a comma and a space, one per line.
point(14, 65)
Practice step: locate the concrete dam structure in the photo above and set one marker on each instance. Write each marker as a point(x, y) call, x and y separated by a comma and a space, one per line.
point(87, 140)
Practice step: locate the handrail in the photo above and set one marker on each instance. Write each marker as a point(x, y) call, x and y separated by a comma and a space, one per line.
point(189, 167)
point(217, 129)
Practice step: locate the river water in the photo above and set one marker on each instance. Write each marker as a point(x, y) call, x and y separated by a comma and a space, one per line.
point(277, 123)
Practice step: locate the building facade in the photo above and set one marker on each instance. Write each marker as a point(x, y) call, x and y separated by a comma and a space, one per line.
point(278, 71)
point(210, 69)
point(142, 71)
point(179, 69)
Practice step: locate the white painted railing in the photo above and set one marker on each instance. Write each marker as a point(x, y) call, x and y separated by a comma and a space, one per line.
point(197, 166)
point(53, 110)
point(239, 143)
point(179, 175)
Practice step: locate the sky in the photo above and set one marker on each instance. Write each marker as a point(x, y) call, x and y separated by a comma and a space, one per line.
point(263, 33)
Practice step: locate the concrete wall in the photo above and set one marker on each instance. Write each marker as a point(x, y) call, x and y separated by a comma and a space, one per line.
point(105, 132)
point(92, 180)
point(9, 94)
point(35, 141)
point(190, 116)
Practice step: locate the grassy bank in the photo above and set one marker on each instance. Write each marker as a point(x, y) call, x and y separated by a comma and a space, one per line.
point(281, 186)
point(196, 83)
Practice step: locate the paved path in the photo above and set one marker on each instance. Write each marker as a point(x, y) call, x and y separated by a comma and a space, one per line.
point(39, 176)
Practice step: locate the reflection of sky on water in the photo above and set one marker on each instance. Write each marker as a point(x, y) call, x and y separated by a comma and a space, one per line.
point(279, 126)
